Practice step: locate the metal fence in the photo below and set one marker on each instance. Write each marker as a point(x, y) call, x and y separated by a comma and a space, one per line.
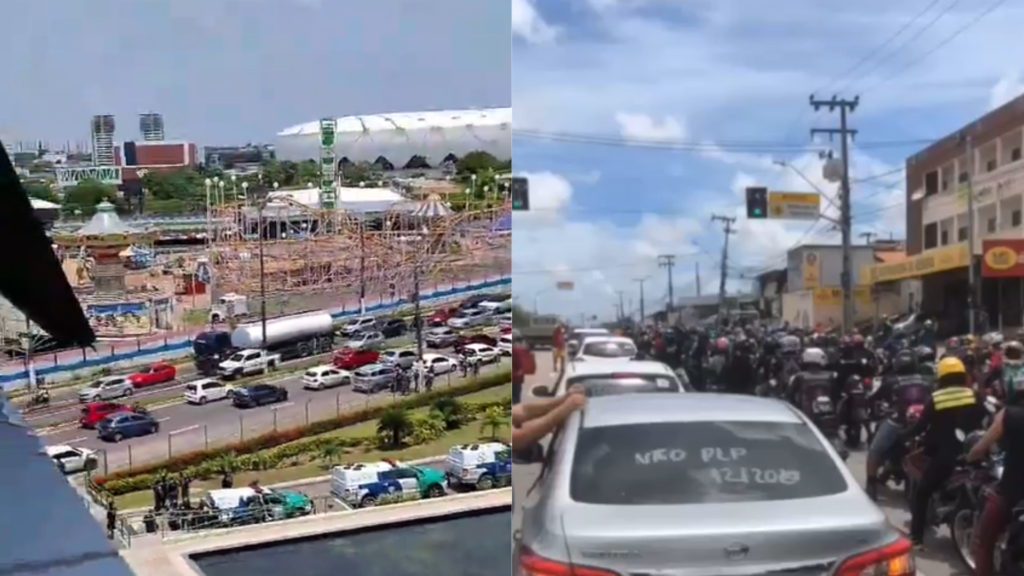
point(251, 423)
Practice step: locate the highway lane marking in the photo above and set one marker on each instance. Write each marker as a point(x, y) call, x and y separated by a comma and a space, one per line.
point(79, 439)
point(164, 419)
point(185, 429)
point(279, 406)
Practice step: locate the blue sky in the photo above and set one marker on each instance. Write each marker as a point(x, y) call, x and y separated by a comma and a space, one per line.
point(714, 73)
point(230, 71)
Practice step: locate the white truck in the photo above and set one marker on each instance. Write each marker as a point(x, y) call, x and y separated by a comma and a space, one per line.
point(248, 362)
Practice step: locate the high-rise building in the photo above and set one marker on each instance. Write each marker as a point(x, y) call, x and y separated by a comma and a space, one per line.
point(103, 140)
point(151, 125)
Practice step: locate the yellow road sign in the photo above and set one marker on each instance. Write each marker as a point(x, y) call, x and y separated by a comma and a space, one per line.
point(794, 205)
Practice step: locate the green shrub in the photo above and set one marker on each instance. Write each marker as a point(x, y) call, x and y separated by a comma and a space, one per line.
point(288, 443)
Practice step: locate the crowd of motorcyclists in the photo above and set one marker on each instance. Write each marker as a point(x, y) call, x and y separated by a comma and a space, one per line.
point(932, 423)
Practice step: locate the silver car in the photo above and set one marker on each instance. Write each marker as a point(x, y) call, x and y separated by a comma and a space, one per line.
point(701, 484)
point(108, 388)
point(366, 341)
point(373, 378)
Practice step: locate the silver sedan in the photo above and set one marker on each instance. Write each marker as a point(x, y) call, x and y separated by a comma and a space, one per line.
point(701, 484)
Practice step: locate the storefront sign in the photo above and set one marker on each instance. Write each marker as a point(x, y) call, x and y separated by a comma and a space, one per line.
point(1002, 258)
point(930, 262)
point(834, 296)
point(811, 270)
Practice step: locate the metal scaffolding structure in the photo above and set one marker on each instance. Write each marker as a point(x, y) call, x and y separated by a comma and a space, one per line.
point(311, 250)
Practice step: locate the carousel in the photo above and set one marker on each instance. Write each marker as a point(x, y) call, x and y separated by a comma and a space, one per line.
point(102, 258)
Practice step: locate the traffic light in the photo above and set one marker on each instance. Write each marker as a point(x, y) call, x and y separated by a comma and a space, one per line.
point(520, 188)
point(757, 202)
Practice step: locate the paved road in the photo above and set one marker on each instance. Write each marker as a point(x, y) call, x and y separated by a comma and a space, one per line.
point(104, 348)
point(938, 560)
point(186, 428)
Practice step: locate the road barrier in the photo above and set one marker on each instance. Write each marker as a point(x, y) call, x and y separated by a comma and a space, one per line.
point(137, 350)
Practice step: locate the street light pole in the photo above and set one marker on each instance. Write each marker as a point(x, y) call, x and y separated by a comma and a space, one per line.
point(362, 266)
point(418, 318)
point(263, 281)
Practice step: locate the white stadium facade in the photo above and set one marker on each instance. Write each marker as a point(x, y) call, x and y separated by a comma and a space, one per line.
point(400, 136)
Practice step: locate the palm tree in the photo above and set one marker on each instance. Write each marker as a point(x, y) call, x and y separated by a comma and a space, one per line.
point(394, 424)
point(227, 463)
point(451, 411)
point(494, 420)
point(329, 454)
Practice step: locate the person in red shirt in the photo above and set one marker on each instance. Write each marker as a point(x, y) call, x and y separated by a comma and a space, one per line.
point(523, 365)
point(558, 348)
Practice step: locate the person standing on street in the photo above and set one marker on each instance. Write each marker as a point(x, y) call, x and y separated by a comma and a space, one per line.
point(523, 365)
point(558, 348)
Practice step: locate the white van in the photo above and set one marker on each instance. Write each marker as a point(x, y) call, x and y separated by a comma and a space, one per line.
point(364, 484)
point(483, 466)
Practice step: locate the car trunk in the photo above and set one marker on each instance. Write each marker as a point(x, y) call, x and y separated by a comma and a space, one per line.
point(650, 539)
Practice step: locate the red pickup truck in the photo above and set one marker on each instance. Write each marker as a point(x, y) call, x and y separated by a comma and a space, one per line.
point(153, 374)
point(350, 359)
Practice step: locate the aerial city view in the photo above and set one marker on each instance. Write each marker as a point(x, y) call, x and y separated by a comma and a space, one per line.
point(254, 307)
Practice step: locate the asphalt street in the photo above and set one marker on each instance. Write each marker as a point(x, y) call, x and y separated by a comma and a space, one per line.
point(186, 428)
point(939, 559)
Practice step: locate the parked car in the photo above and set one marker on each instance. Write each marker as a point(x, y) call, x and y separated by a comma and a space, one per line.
point(373, 378)
point(505, 344)
point(121, 425)
point(468, 318)
point(505, 321)
point(96, 411)
point(393, 327)
point(351, 359)
point(357, 325)
point(440, 337)
point(402, 358)
point(439, 364)
point(485, 353)
point(107, 388)
point(474, 300)
point(366, 341)
point(70, 459)
point(207, 390)
point(154, 374)
point(259, 395)
point(463, 340)
point(440, 317)
point(322, 377)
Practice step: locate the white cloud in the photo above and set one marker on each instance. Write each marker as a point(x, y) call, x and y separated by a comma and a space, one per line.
point(644, 127)
point(1009, 86)
point(528, 24)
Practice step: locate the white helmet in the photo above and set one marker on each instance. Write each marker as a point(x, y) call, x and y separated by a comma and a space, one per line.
point(815, 356)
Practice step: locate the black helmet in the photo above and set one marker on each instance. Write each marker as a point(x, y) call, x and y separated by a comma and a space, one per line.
point(905, 362)
point(925, 354)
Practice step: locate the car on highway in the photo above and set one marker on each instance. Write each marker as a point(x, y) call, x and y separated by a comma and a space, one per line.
point(440, 317)
point(357, 325)
point(761, 488)
point(366, 341)
point(92, 413)
point(71, 459)
point(106, 388)
point(248, 362)
point(439, 364)
point(351, 358)
point(393, 327)
point(121, 425)
point(322, 377)
point(615, 377)
point(505, 344)
point(505, 322)
point(441, 337)
point(603, 348)
point(486, 354)
point(153, 375)
point(374, 378)
point(496, 305)
point(469, 318)
point(207, 390)
point(403, 358)
point(475, 300)
point(259, 395)
point(464, 339)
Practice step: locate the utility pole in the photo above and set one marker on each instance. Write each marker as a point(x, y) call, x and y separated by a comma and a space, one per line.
point(622, 306)
point(696, 270)
point(845, 133)
point(973, 286)
point(641, 281)
point(417, 313)
point(668, 262)
point(868, 237)
point(728, 221)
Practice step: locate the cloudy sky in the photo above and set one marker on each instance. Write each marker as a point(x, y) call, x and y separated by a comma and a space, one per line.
point(231, 71)
point(639, 119)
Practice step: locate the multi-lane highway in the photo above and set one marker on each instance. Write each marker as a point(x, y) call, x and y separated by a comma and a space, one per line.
point(186, 428)
point(939, 559)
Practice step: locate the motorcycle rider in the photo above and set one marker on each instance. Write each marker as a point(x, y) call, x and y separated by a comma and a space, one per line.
point(718, 364)
point(953, 406)
point(905, 372)
point(1008, 430)
point(812, 372)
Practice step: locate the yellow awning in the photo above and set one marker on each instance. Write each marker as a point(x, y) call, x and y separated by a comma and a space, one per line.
point(929, 262)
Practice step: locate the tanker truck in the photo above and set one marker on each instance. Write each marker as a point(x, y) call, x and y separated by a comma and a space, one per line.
point(289, 337)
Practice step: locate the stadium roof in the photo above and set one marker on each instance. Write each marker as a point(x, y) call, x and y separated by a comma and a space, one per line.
point(410, 121)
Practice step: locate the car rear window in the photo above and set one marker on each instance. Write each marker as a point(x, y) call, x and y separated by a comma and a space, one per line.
point(701, 463)
point(609, 349)
point(191, 388)
point(618, 384)
point(312, 374)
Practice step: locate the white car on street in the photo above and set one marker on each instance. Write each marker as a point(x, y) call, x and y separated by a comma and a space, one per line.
point(207, 390)
point(71, 460)
point(440, 364)
point(485, 353)
point(606, 348)
point(505, 344)
point(469, 318)
point(322, 377)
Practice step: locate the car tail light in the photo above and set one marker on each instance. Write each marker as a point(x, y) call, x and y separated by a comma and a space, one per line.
point(533, 565)
point(867, 383)
point(895, 559)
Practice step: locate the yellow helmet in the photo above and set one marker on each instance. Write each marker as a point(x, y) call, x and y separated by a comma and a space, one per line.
point(950, 365)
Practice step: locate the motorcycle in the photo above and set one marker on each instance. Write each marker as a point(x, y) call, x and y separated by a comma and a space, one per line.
point(853, 409)
point(972, 502)
point(39, 399)
point(817, 405)
point(959, 491)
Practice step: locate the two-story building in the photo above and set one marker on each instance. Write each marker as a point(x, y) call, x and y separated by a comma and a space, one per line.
point(983, 159)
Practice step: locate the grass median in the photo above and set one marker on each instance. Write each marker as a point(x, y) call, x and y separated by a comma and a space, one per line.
point(314, 465)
